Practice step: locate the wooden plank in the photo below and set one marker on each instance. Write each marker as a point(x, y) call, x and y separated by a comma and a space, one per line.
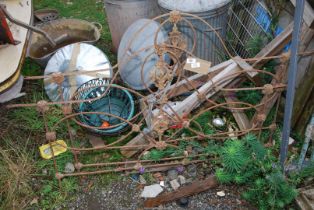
point(193, 101)
point(304, 63)
point(245, 66)
point(196, 80)
point(303, 94)
point(304, 119)
point(95, 141)
point(194, 188)
point(186, 87)
point(270, 100)
point(308, 15)
point(305, 78)
point(239, 115)
point(138, 140)
point(306, 35)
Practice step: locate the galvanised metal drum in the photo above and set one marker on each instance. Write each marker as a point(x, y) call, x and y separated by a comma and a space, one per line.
point(214, 12)
point(122, 13)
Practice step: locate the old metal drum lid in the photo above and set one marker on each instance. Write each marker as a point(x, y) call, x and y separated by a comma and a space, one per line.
point(86, 59)
point(192, 6)
point(136, 54)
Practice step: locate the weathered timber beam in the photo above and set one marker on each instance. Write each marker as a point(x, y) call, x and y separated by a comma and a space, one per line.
point(308, 15)
point(194, 188)
point(305, 116)
point(303, 102)
point(196, 80)
point(240, 117)
point(270, 100)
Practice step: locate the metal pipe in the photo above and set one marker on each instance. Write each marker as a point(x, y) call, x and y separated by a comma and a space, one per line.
point(298, 16)
point(308, 138)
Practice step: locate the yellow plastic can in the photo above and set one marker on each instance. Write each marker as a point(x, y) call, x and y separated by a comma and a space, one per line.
point(58, 147)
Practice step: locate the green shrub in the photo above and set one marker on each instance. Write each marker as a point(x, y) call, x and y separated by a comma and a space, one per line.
point(248, 162)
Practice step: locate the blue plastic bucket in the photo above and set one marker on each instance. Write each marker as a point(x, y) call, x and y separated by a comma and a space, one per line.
point(117, 102)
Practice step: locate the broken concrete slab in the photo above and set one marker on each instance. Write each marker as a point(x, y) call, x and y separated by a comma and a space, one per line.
point(151, 191)
point(181, 179)
point(221, 193)
point(174, 184)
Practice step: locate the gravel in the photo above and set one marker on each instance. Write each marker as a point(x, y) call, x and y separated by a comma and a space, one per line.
point(172, 174)
point(125, 194)
point(69, 168)
point(119, 195)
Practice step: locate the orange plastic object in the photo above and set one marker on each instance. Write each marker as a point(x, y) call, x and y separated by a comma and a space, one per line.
point(105, 124)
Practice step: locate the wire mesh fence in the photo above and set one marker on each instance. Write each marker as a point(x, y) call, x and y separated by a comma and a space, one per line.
point(249, 27)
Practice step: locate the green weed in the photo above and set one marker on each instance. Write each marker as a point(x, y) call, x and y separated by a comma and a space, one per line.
point(249, 163)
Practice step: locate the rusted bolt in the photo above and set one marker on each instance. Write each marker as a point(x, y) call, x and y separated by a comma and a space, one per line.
point(175, 17)
point(51, 136)
point(78, 166)
point(268, 89)
point(67, 109)
point(200, 137)
point(273, 126)
point(57, 77)
point(201, 96)
point(59, 176)
point(136, 128)
point(161, 145)
point(261, 118)
point(42, 106)
point(285, 57)
point(186, 124)
point(75, 152)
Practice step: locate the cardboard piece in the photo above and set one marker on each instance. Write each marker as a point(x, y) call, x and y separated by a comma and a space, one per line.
point(197, 65)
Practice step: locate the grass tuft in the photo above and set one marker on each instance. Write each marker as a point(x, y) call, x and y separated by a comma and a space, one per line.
point(16, 167)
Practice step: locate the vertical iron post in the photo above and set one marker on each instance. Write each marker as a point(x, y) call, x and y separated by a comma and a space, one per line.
point(293, 67)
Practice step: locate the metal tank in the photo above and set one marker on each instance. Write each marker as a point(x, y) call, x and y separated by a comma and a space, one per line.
point(214, 12)
point(136, 54)
point(122, 13)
